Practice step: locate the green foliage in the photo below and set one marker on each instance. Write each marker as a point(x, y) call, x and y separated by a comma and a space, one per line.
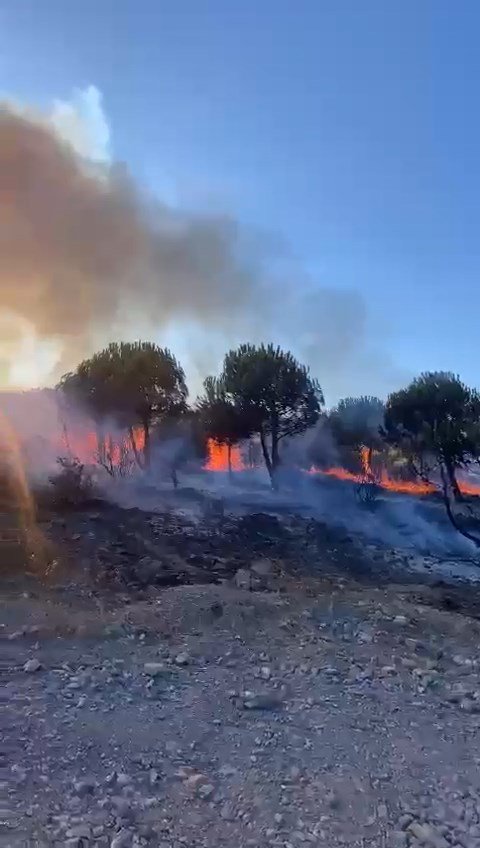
point(357, 422)
point(436, 417)
point(136, 384)
point(273, 393)
point(223, 420)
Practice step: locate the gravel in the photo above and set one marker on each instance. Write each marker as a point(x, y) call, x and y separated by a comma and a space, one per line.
point(314, 713)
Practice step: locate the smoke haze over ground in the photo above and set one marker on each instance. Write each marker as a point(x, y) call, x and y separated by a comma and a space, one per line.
point(86, 257)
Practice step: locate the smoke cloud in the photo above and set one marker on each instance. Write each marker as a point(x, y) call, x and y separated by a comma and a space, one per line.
point(86, 257)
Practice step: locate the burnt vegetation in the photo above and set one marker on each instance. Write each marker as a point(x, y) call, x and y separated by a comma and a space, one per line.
point(263, 397)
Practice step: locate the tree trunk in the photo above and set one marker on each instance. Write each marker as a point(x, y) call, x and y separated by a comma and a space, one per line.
point(446, 483)
point(229, 459)
point(146, 445)
point(452, 478)
point(266, 456)
point(138, 458)
point(369, 460)
point(275, 453)
point(174, 477)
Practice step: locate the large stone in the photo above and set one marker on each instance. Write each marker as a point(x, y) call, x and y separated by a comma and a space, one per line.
point(155, 669)
point(262, 567)
point(262, 701)
point(243, 579)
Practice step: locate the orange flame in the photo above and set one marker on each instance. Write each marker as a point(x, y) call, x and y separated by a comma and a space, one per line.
point(85, 446)
point(407, 487)
point(217, 459)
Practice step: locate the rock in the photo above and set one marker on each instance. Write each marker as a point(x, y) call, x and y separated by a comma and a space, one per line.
point(123, 807)
point(262, 701)
point(469, 705)
point(262, 567)
point(405, 820)
point(79, 831)
point(428, 835)
point(382, 811)
point(148, 569)
point(200, 786)
point(123, 839)
point(84, 787)
point(278, 819)
point(216, 609)
point(31, 666)
point(398, 839)
point(400, 619)
point(182, 659)
point(265, 672)
point(227, 770)
point(333, 799)
point(205, 791)
point(123, 779)
point(243, 579)
point(154, 669)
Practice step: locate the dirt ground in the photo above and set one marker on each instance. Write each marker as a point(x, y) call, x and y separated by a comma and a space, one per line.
point(294, 711)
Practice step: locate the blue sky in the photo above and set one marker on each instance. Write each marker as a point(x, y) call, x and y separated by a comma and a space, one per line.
point(349, 128)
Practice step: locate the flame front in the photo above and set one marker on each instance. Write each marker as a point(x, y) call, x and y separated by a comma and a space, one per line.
point(383, 479)
point(217, 457)
point(86, 445)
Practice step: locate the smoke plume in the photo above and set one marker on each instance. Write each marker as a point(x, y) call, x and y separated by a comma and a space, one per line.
point(85, 257)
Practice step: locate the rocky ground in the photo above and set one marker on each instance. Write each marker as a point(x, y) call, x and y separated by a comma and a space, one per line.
point(241, 696)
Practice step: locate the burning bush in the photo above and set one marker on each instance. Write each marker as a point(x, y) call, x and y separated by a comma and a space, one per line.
point(73, 484)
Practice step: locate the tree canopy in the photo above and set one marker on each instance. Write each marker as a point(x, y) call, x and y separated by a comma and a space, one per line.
point(136, 383)
point(273, 392)
point(222, 420)
point(438, 417)
point(357, 421)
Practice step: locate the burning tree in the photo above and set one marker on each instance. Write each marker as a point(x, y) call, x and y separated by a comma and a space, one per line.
point(356, 423)
point(136, 384)
point(436, 421)
point(223, 421)
point(273, 393)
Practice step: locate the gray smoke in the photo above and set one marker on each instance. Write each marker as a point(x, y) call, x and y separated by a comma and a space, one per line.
point(86, 257)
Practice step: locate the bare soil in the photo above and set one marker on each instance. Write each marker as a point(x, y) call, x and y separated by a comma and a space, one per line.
point(320, 705)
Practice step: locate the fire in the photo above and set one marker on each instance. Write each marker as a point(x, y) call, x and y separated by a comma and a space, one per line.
point(218, 457)
point(383, 479)
point(85, 445)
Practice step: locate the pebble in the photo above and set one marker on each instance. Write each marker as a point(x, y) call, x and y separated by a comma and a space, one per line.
point(243, 579)
point(205, 791)
point(123, 839)
point(32, 666)
point(79, 831)
point(182, 659)
point(153, 669)
point(398, 839)
point(262, 701)
point(84, 787)
point(428, 835)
